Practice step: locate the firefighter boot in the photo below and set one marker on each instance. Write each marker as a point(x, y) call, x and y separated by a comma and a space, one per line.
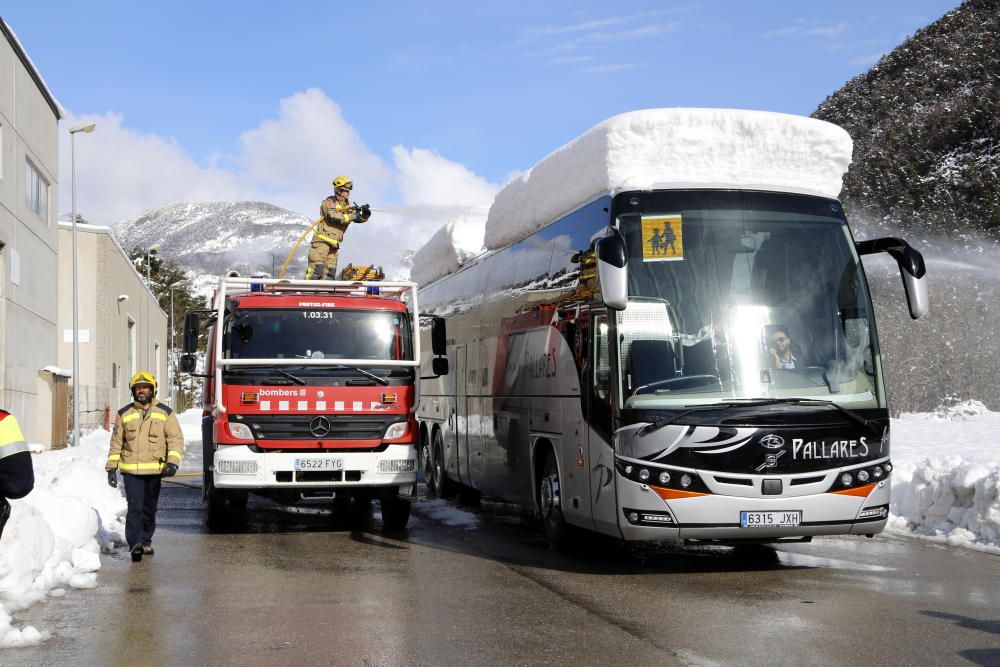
point(316, 271)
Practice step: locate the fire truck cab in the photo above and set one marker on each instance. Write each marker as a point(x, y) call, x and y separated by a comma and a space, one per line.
point(309, 392)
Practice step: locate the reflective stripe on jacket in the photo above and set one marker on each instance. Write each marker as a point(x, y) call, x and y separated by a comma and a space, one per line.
point(11, 439)
point(145, 440)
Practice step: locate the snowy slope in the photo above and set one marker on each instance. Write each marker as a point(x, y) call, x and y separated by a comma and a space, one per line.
point(213, 237)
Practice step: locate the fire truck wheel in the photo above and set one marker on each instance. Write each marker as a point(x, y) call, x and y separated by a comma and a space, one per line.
point(395, 513)
point(557, 532)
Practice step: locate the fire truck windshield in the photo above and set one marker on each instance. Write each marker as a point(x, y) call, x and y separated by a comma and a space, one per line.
point(320, 333)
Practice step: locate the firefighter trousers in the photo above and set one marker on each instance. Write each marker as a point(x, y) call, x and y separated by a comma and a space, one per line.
point(142, 493)
point(322, 261)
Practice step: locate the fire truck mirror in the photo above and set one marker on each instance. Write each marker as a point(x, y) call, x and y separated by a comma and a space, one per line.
point(191, 326)
point(188, 363)
point(439, 338)
point(439, 365)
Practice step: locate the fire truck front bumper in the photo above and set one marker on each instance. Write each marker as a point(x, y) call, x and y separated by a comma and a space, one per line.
point(238, 467)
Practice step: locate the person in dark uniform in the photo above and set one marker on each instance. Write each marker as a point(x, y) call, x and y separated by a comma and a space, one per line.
point(17, 476)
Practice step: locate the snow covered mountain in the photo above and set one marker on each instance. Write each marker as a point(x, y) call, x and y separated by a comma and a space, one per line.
point(213, 237)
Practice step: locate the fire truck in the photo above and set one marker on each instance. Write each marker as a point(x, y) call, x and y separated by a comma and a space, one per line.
point(309, 393)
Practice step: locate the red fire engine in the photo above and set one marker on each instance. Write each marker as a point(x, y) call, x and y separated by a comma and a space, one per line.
point(310, 388)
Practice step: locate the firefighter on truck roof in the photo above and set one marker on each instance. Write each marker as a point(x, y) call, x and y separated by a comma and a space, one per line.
point(336, 213)
point(17, 476)
point(146, 445)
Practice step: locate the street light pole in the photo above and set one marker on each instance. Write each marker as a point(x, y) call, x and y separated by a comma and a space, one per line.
point(149, 311)
point(86, 127)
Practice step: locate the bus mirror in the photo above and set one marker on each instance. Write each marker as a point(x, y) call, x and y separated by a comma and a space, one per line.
point(439, 365)
point(911, 268)
point(191, 326)
point(439, 338)
point(612, 269)
point(188, 363)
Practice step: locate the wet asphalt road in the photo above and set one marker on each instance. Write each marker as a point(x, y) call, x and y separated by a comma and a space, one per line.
point(308, 588)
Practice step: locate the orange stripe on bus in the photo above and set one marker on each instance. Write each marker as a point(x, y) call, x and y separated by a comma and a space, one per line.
point(861, 491)
point(674, 494)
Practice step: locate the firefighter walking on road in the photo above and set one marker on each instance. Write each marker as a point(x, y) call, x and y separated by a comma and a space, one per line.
point(17, 476)
point(336, 213)
point(146, 445)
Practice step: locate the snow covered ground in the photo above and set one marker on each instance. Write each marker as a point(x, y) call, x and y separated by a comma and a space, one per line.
point(946, 481)
point(946, 487)
point(55, 535)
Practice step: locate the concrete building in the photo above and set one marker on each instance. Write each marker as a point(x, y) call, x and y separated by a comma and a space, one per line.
point(122, 327)
point(29, 184)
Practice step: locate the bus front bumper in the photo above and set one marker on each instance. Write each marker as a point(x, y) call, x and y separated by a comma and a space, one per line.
point(241, 468)
point(644, 515)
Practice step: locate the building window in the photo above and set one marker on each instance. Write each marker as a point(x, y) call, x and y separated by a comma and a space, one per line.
point(37, 191)
point(131, 348)
point(114, 375)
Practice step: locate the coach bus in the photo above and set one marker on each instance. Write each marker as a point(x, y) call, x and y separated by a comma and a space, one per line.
point(687, 362)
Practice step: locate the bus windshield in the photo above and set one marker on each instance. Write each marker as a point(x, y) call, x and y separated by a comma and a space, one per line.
point(320, 333)
point(742, 295)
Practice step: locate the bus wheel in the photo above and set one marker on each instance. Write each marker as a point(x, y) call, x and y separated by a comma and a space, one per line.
point(557, 532)
point(442, 487)
point(427, 463)
point(395, 513)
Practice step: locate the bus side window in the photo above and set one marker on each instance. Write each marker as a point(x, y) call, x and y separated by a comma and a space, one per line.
point(602, 359)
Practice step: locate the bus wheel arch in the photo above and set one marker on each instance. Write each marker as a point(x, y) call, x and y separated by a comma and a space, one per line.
point(548, 495)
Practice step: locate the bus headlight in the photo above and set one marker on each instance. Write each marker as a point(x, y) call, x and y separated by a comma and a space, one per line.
point(644, 474)
point(240, 431)
point(686, 480)
point(397, 430)
point(862, 476)
point(847, 479)
point(664, 478)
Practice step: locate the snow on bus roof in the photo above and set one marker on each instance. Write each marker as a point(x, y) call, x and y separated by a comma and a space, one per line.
point(456, 242)
point(673, 148)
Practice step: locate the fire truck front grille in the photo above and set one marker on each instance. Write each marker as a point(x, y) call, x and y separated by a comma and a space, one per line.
point(308, 427)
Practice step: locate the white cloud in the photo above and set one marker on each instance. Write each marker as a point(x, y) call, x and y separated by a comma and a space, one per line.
point(294, 157)
point(609, 69)
point(288, 160)
point(827, 31)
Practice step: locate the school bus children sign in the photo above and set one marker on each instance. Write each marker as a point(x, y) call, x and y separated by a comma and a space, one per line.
point(662, 238)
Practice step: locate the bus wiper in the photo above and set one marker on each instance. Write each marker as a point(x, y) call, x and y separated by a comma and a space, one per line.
point(381, 380)
point(660, 422)
point(850, 414)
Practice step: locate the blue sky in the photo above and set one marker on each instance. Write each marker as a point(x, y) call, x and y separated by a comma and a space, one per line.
point(486, 88)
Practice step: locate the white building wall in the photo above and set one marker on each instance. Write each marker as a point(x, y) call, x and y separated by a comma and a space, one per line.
point(105, 275)
point(28, 297)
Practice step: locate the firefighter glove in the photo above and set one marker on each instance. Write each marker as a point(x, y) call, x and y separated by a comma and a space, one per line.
point(366, 211)
point(113, 479)
point(170, 470)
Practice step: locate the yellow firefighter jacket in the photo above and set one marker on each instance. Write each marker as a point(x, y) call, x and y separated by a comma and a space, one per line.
point(144, 441)
point(336, 217)
point(11, 440)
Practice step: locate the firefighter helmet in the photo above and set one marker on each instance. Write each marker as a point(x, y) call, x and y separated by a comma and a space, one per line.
point(142, 377)
point(342, 182)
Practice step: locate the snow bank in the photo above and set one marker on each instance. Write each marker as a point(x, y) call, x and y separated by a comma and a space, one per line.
point(456, 242)
point(55, 534)
point(673, 148)
point(946, 480)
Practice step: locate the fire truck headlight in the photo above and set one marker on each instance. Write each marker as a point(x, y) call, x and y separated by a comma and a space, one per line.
point(240, 431)
point(397, 430)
